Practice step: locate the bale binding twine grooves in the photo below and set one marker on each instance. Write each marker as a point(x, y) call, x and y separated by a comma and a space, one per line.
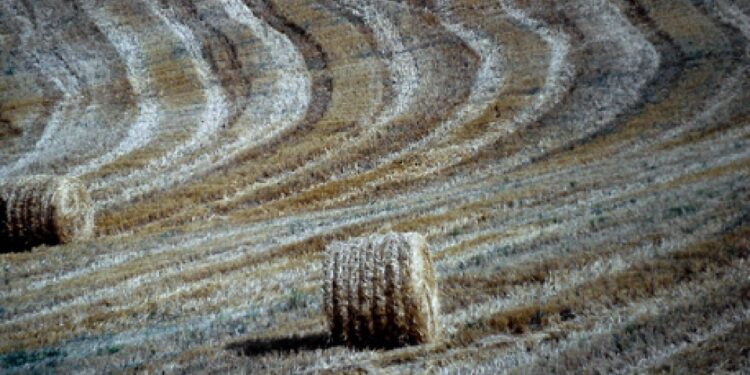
point(43, 209)
point(380, 291)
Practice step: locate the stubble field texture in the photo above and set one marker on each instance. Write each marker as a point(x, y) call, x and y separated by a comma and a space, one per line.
point(580, 171)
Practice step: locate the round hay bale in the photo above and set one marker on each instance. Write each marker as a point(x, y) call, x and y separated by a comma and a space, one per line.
point(44, 209)
point(380, 291)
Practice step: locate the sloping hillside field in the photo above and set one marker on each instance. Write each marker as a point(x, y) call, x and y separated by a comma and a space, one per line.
point(580, 171)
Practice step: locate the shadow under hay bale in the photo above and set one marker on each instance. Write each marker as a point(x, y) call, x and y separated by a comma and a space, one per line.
point(42, 209)
point(261, 346)
point(380, 291)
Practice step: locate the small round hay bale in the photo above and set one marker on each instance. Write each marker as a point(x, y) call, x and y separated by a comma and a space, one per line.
point(380, 291)
point(44, 209)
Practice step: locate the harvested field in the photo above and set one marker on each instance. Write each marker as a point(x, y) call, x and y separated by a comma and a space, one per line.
point(579, 169)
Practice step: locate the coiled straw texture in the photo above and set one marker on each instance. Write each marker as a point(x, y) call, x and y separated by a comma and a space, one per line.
point(380, 291)
point(43, 209)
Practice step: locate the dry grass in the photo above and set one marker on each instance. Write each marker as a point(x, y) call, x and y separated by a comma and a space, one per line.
point(44, 209)
point(380, 291)
point(579, 169)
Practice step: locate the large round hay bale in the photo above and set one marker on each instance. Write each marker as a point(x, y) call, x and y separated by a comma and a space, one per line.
point(43, 209)
point(380, 291)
